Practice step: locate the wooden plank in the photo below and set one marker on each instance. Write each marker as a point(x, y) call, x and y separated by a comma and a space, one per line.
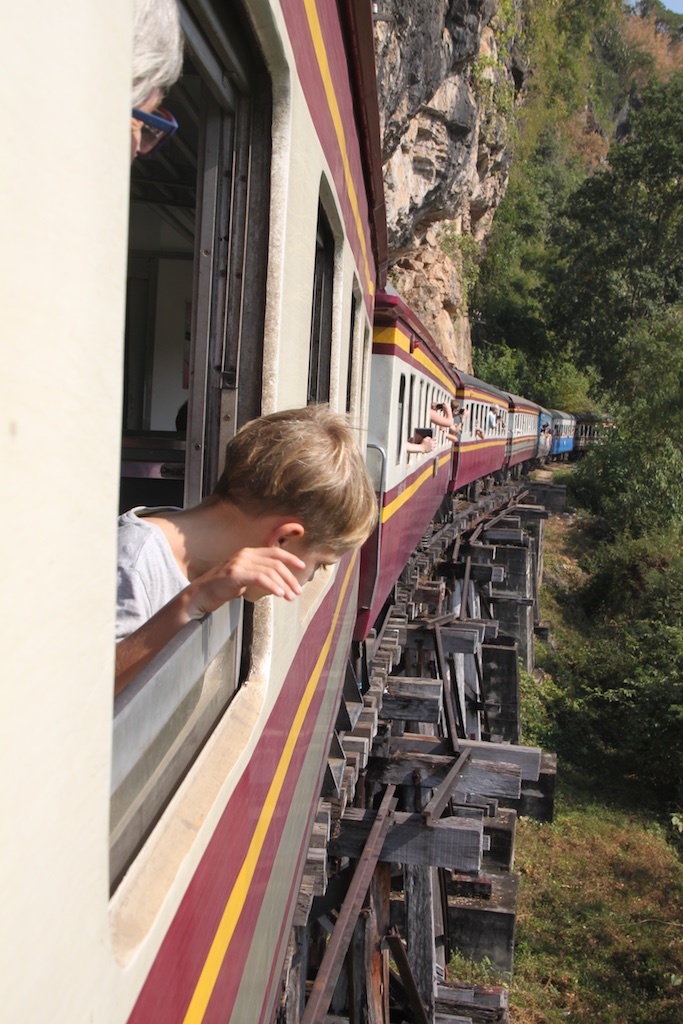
point(435, 807)
point(419, 903)
point(454, 722)
point(489, 778)
point(412, 699)
point(527, 759)
point(499, 535)
point(405, 769)
point(451, 843)
point(460, 639)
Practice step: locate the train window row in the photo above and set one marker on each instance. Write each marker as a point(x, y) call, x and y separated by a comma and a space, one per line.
point(413, 411)
point(484, 419)
point(525, 423)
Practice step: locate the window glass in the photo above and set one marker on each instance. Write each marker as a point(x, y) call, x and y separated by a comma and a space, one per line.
point(353, 325)
point(401, 406)
point(321, 318)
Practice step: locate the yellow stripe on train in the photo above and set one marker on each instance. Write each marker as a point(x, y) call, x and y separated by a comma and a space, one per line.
point(393, 506)
point(395, 337)
point(231, 914)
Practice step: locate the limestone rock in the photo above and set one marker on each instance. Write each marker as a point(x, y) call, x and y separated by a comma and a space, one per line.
point(447, 91)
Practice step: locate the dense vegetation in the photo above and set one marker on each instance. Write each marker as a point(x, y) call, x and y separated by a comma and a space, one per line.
point(579, 305)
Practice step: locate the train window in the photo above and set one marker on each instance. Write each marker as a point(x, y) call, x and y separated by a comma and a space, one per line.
point(193, 372)
point(411, 391)
point(352, 350)
point(365, 374)
point(321, 318)
point(401, 407)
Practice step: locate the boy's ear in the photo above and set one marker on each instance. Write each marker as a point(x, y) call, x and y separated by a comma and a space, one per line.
point(287, 530)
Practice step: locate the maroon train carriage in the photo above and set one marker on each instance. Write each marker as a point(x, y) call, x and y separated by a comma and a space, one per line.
point(409, 374)
point(523, 428)
point(483, 438)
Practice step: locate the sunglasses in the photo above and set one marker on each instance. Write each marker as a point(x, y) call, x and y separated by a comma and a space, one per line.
point(157, 129)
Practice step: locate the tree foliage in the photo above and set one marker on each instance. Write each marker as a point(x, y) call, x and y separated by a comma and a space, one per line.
point(621, 702)
point(580, 300)
point(621, 235)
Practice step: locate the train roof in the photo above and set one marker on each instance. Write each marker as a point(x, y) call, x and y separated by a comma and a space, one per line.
point(518, 401)
point(390, 307)
point(358, 17)
point(481, 385)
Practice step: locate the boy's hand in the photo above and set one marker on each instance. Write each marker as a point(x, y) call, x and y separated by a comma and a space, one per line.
point(251, 573)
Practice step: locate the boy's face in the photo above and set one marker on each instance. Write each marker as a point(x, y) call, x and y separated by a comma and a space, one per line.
point(314, 558)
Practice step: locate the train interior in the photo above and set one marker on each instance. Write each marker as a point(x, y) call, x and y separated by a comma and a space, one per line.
point(163, 203)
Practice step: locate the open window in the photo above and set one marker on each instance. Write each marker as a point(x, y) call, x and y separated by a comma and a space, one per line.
point(193, 375)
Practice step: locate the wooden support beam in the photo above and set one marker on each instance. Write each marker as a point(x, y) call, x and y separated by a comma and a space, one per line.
point(412, 699)
point(395, 943)
point(528, 759)
point(419, 903)
point(403, 769)
point(434, 809)
point(458, 638)
point(328, 972)
point(490, 779)
point(454, 718)
point(464, 597)
point(451, 843)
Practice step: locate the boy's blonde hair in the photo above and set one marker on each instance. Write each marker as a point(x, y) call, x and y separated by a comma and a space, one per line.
point(303, 463)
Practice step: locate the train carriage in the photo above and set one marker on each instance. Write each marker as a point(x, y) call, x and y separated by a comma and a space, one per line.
point(176, 829)
point(589, 430)
point(564, 424)
point(545, 435)
point(480, 451)
point(523, 430)
point(156, 842)
point(408, 376)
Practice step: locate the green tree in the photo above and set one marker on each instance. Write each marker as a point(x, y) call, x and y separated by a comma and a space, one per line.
point(622, 235)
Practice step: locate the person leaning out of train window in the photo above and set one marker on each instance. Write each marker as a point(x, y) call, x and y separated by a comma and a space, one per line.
point(491, 418)
point(421, 441)
point(459, 417)
point(157, 64)
point(441, 415)
point(294, 496)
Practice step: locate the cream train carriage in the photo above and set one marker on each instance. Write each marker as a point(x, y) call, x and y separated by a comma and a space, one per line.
point(152, 849)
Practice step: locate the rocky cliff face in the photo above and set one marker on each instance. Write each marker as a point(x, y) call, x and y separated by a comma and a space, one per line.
point(448, 80)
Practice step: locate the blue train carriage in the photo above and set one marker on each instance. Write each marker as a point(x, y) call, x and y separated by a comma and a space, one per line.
point(590, 429)
point(564, 424)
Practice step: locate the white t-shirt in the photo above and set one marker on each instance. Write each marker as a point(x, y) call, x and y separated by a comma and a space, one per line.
point(148, 574)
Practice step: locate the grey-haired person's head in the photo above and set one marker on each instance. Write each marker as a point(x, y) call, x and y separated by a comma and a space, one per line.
point(157, 47)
